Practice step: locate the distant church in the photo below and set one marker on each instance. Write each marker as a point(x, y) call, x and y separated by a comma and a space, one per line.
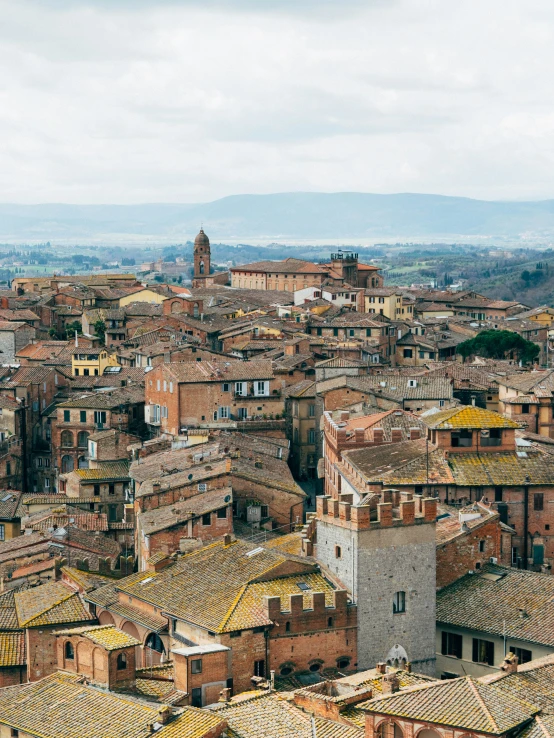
point(203, 276)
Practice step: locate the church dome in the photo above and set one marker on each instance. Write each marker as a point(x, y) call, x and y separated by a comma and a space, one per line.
point(201, 239)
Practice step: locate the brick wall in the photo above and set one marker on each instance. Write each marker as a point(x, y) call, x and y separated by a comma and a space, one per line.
point(462, 554)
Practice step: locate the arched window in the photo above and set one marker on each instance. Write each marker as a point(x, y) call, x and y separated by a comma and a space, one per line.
point(121, 661)
point(154, 643)
point(389, 730)
point(82, 462)
point(67, 439)
point(315, 667)
point(329, 622)
point(195, 310)
point(82, 439)
point(287, 626)
point(69, 651)
point(67, 464)
point(201, 267)
point(343, 663)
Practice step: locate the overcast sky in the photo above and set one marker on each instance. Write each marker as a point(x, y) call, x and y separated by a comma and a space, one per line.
point(156, 101)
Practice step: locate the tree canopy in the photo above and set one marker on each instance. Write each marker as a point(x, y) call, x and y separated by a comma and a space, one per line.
point(493, 344)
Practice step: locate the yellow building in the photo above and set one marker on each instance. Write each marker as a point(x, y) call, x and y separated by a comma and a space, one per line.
point(145, 295)
point(92, 362)
point(387, 301)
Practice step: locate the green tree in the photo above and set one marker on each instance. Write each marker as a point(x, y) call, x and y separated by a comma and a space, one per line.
point(100, 329)
point(493, 344)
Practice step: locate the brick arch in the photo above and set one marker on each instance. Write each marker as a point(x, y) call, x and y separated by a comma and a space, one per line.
point(106, 618)
point(131, 629)
point(394, 728)
point(429, 733)
point(177, 306)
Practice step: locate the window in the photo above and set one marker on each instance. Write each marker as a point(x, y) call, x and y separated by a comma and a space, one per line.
point(483, 652)
point(285, 670)
point(66, 416)
point(240, 388)
point(515, 555)
point(223, 412)
point(523, 655)
point(311, 411)
point(196, 697)
point(259, 668)
point(69, 652)
point(330, 622)
point(226, 387)
point(538, 501)
point(2, 532)
point(343, 663)
point(82, 439)
point(498, 494)
point(287, 626)
point(99, 416)
point(111, 488)
point(261, 389)
point(461, 438)
point(451, 644)
point(408, 353)
point(46, 483)
point(264, 511)
point(311, 436)
point(525, 409)
point(315, 667)
point(207, 519)
point(121, 661)
point(399, 602)
point(112, 513)
point(196, 666)
point(338, 552)
point(96, 490)
point(482, 546)
point(83, 416)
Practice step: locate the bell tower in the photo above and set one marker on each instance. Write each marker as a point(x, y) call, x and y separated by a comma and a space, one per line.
point(202, 256)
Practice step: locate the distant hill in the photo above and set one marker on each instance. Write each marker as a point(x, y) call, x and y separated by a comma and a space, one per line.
point(300, 215)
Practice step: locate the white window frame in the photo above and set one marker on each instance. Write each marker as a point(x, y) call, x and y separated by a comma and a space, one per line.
point(241, 389)
point(261, 388)
point(224, 412)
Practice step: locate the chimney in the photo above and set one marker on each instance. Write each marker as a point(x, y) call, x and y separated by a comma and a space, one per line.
point(227, 540)
point(390, 684)
point(225, 695)
point(164, 714)
point(509, 665)
point(381, 667)
point(378, 436)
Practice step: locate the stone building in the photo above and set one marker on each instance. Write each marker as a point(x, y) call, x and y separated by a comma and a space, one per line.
point(384, 555)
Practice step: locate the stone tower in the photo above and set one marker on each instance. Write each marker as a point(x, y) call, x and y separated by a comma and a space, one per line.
point(384, 553)
point(202, 255)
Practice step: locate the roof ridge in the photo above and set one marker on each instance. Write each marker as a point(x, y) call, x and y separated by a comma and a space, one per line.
point(481, 701)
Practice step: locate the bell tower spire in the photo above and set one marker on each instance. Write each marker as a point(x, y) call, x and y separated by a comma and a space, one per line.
point(202, 255)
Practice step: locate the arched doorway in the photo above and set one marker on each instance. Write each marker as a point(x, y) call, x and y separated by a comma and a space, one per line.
point(388, 729)
point(66, 439)
point(397, 657)
point(67, 464)
point(154, 650)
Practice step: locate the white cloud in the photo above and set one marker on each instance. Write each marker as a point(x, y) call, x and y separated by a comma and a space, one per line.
point(193, 99)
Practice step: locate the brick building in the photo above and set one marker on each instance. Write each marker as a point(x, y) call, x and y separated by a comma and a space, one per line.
point(273, 611)
point(78, 418)
point(193, 393)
